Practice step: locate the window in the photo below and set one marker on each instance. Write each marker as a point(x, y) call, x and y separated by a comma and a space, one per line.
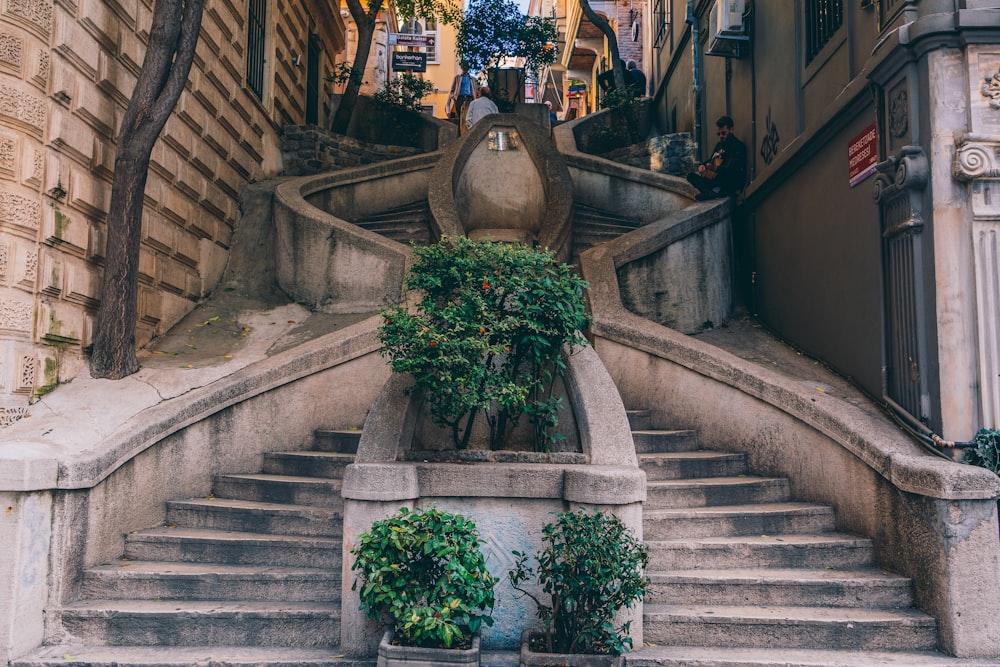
point(424, 27)
point(823, 19)
point(256, 32)
point(661, 22)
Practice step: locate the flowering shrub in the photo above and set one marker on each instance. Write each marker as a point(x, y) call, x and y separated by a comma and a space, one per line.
point(487, 335)
point(423, 573)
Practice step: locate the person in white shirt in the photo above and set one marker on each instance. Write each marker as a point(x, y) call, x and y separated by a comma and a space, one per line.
point(480, 107)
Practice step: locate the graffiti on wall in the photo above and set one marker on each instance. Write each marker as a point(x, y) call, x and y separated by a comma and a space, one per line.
point(769, 145)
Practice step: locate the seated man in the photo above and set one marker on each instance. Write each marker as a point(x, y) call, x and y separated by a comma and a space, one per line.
point(725, 173)
point(480, 107)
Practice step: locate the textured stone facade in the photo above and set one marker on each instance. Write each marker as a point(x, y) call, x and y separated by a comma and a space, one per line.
point(67, 69)
point(666, 154)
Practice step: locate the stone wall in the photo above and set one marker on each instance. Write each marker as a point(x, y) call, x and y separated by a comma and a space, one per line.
point(667, 154)
point(308, 150)
point(67, 69)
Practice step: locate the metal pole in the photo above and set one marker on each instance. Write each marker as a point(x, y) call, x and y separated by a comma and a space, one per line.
point(696, 59)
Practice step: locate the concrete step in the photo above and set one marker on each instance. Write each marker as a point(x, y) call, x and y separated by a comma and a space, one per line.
point(402, 230)
point(714, 491)
point(837, 550)
point(160, 580)
point(82, 655)
point(790, 627)
point(758, 519)
point(640, 420)
point(651, 441)
point(701, 656)
point(414, 210)
point(289, 489)
point(343, 440)
point(251, 516)
point(200, 623)
point(202, 545)
point(307, 464)
point(686, 465)
point(586, 214)
point(783, 587)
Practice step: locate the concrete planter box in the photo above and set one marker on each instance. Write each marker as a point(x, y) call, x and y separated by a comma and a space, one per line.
point(530, 658)
point(413, 656)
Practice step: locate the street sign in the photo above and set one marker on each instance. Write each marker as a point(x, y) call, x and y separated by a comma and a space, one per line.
point(406, 39)
point(862, 155)
point(407, 60)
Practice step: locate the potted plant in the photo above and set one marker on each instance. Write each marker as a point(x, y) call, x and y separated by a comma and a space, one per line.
point(487, 336)
point(590, 567)
point(422, 573)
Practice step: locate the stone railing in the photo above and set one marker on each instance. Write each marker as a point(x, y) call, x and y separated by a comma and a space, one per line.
point(308, 150)
point(932, 520)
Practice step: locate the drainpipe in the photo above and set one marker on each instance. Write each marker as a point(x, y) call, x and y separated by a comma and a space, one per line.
point(696, 59)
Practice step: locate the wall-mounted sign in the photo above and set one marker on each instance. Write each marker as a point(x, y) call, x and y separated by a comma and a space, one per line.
point(862, 155)
point(406, 39)
point(408, 60)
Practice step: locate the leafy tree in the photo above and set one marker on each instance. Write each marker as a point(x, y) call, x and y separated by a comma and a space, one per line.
point(447, 11)
point(602, 24)
point(173, 37)
point(487, 336)
point(496, 30)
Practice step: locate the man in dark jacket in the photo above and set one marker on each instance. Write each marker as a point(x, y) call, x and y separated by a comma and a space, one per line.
point(725, 173)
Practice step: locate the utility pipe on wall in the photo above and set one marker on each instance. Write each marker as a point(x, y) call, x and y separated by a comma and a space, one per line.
point(696, 59)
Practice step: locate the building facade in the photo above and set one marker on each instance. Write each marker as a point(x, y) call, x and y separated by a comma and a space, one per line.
point(868, 229)
point(67, 70)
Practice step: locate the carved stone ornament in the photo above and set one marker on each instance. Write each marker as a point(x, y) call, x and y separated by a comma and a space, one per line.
point(898, 184)
point(976, 157)
point(991, 90)
point(16, 315)
point(20, 210)
point(11, 50)
point(36, 12)
point(899, 113)
point(10, 415)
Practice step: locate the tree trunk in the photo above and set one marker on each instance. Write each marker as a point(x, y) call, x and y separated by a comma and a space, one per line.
point(605, 27)
point(169, 54)
point(365, 23)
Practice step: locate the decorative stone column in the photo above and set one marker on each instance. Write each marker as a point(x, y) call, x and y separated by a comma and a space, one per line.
point(898, 191)
point(977, 162)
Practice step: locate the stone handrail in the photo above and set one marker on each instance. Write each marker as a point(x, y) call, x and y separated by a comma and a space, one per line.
point(932, 520)
point(331, 264)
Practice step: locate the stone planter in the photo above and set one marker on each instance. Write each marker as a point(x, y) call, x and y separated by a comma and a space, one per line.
point(413, 656)
point(530, 658)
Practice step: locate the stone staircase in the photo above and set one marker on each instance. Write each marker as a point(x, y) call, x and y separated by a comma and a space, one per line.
point(743, 575)
point(405, 224)
point(249, 575)
point(593, 226)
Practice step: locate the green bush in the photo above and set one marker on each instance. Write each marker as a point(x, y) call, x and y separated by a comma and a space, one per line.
point(986, 453)
point(590, 567)
point(422, 572)
point(487, 335)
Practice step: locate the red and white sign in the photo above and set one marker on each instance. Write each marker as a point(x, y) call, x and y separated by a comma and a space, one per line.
point(862, 155)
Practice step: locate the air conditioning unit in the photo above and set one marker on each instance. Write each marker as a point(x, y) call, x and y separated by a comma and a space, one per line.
point(727, 17)
point(727, 35)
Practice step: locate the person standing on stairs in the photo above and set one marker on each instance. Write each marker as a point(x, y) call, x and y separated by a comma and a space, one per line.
point(464, 89)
